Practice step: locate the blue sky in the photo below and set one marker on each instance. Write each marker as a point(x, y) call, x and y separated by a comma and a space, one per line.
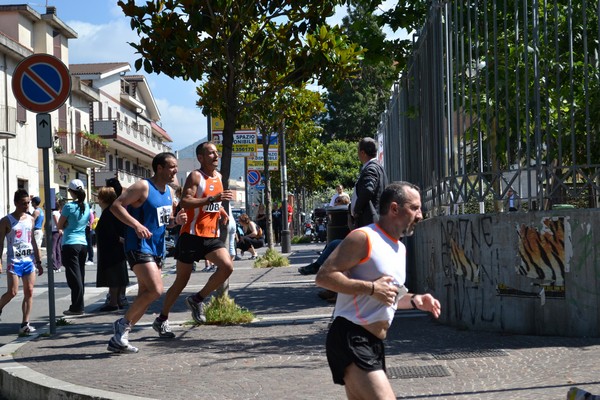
point(103, 32)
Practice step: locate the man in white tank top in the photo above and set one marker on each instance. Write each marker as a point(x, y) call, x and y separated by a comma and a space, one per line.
point(368, 271)
point(23, 257)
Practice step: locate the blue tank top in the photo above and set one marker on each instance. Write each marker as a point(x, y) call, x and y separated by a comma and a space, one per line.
point(39, 221)
point(154, 214)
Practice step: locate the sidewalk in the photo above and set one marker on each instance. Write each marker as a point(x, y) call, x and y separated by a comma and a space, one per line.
point(281, 356)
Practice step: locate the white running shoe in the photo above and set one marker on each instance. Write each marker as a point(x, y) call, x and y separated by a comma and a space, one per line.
point(163, 328)
point(26, 330)
point(197, 309)
point(121, 333)
point(115, 347)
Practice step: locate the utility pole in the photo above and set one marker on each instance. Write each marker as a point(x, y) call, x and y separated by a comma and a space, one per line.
point(286, 243)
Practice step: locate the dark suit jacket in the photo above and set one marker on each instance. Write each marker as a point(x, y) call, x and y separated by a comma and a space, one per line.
point(368, 189)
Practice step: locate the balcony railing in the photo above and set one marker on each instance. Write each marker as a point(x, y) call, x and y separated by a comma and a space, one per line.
point(125, 178)
point(79, 148)
point(116, 129)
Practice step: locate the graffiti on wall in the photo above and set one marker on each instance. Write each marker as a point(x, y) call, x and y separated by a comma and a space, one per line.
point(463, 265)
point(541, 253)
point(545, 253)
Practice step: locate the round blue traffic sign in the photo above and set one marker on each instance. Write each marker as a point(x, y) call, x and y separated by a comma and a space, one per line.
point(41, 83)
point(253, 177)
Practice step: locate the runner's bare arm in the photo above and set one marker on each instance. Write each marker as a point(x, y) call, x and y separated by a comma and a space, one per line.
point(134, 196)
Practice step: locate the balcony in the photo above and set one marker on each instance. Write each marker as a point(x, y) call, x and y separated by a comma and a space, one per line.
point(81, 149)
point(8, 122)
point(130, 138)
point(126, 179)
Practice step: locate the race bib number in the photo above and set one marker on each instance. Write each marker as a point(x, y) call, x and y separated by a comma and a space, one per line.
point(23, 251)
point(212, 207)
point(164, 214)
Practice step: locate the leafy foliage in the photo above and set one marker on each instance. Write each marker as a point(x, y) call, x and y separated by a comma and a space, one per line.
point(222, 310)
point(251, 47)
point(271, 258)
point(354, 107)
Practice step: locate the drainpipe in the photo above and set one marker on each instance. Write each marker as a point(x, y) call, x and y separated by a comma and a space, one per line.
point(6, 189)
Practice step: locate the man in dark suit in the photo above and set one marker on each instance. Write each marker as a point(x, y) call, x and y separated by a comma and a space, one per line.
point(369, 186)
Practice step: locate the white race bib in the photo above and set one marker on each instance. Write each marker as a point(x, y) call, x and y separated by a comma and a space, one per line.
point(212, 207)
point(163, 215)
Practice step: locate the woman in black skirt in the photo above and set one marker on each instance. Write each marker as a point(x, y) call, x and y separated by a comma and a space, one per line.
point(112, 266)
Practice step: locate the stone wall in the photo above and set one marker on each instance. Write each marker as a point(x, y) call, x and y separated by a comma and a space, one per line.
point(523, 272)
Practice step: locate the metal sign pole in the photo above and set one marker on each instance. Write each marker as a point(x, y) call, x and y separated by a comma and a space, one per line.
point(44, 142)
point(49, 242)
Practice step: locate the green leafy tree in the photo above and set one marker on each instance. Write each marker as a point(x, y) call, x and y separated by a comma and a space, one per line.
point(233, 47)
point(556, 127)
point(354, 108)
point(289, 111)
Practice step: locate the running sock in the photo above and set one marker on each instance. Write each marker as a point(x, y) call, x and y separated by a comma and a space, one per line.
point(162, 317)
point(197, 298)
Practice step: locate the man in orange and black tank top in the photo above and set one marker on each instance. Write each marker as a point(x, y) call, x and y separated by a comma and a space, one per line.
point(199, 237)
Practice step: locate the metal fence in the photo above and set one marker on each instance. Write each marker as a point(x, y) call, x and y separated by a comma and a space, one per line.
point(499, 94)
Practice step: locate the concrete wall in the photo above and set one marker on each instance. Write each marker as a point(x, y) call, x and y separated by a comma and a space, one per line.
point(530, 273)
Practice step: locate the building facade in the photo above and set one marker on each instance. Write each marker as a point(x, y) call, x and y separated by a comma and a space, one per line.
point(109, 127)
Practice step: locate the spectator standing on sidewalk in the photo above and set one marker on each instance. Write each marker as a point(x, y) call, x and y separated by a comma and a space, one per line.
point(199, 238)
point(89, 233)
point(369, 186)
point(146, 208)
point(57, 235)
point(21, 254)
point(73, 220)
point(38, 225)
point(112, 263)
point(277, 216)
point(368, 270)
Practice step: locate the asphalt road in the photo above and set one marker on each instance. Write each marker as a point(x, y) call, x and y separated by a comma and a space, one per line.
point(40, 315)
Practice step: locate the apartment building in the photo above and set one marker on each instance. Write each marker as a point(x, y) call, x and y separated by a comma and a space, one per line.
point(125, 119)
point(109, 127)
point(24, 32)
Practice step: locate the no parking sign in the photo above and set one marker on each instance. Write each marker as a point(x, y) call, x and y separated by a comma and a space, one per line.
point(41, 83)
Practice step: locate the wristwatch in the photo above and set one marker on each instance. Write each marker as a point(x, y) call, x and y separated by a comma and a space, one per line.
point(211, 199)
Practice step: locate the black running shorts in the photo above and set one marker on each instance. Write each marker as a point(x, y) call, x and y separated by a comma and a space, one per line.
point(190, 248)
point(349, 343)
point(135, 257)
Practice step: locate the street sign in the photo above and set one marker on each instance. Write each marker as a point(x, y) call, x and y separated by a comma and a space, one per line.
point(244, 143)
point(41, 83)
point(253, 177)
point(44, 131)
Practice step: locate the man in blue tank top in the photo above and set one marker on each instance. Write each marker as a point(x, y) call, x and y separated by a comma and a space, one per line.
point(38, 224)
point(146, 207)
point(368, 272)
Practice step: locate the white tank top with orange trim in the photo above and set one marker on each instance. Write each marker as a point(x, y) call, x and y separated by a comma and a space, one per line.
point(386, 256)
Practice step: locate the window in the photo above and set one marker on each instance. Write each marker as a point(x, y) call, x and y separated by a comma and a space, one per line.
point(128, 166)
point(119, 163)
point(21, 114)
point(77, 121)
point(110, 162)
point(62, 117)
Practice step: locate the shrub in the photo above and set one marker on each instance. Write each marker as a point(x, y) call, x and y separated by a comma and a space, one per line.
point(222, 310)
point(271, 258)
